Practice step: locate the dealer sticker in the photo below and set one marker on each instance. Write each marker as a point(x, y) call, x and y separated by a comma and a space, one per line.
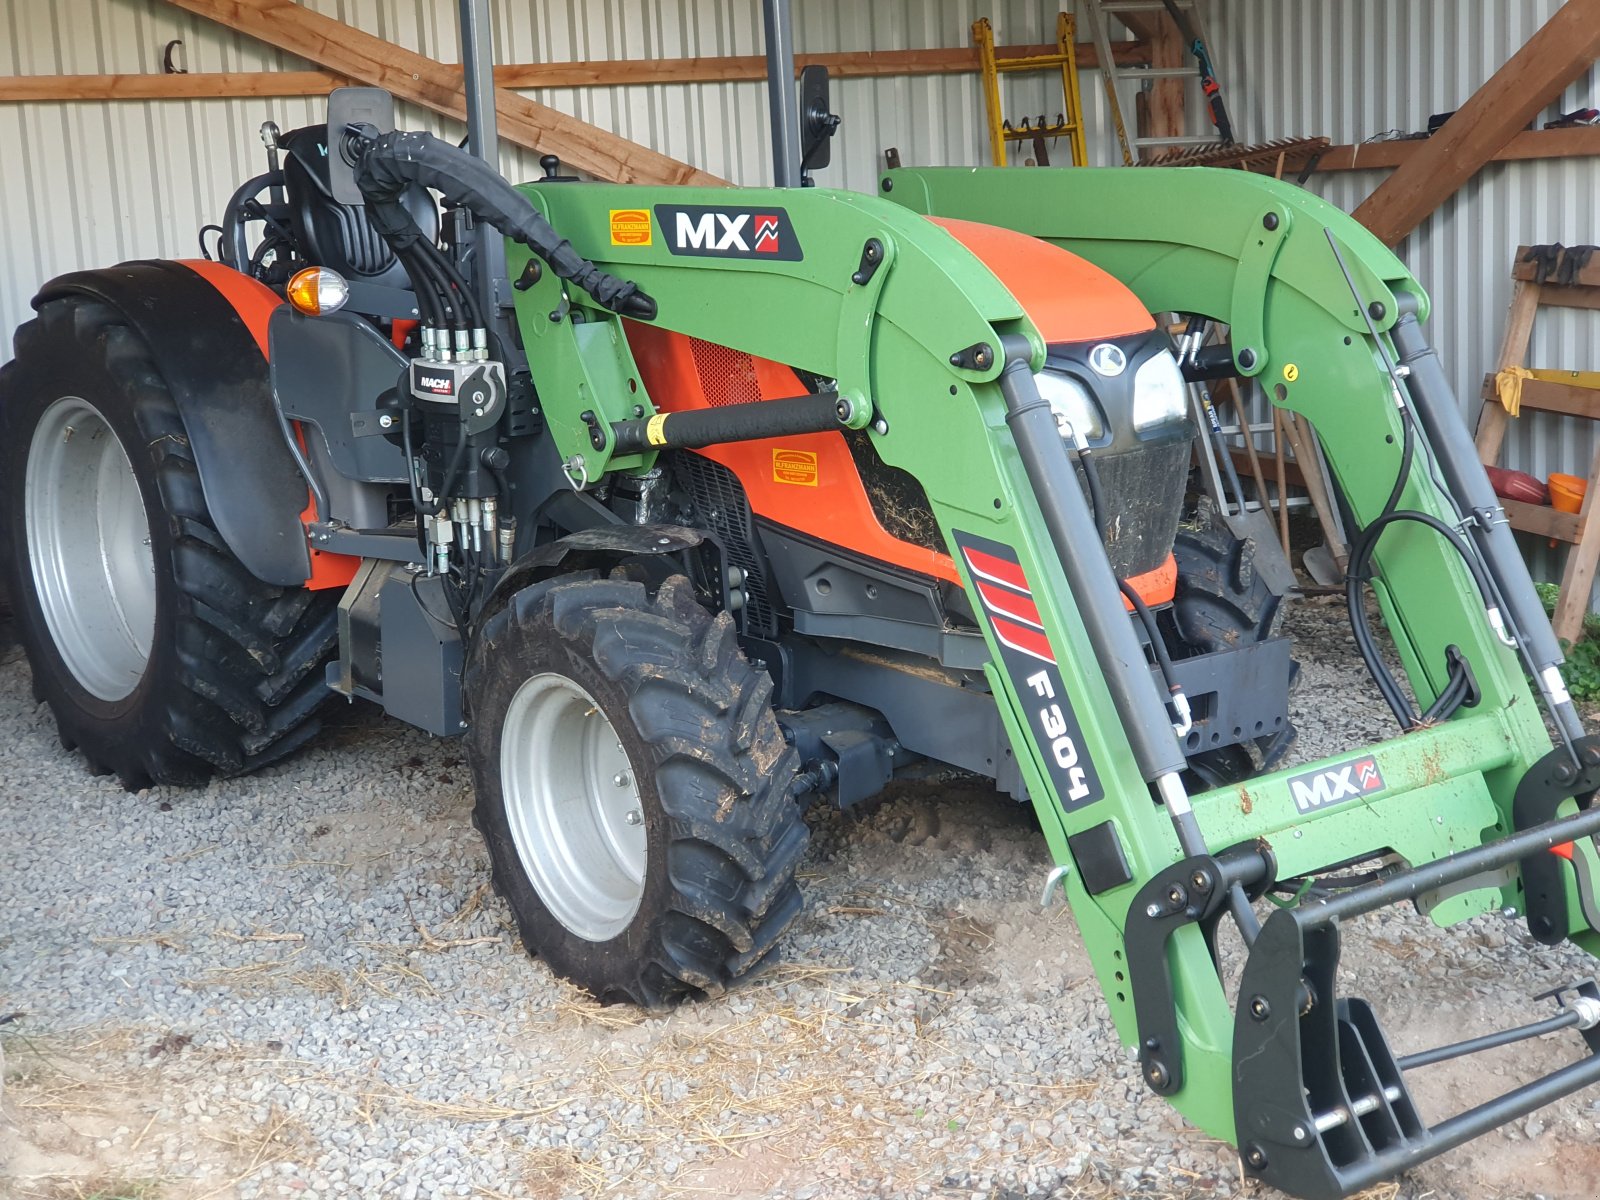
point(794, 466)
point(630, 227)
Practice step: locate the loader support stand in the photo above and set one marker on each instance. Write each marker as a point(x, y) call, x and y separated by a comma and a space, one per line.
point(1549, 783)
point(1192, 892)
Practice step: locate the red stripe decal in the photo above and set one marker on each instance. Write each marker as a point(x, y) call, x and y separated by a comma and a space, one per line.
point(1020, 637)
point(1009, 604)
point(1001, 570)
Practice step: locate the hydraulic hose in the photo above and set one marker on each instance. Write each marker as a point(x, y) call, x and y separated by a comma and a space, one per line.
point(1456, 689)
point(1455, 692)
point(387, 164)
point(430, 305)
point(1355, 575)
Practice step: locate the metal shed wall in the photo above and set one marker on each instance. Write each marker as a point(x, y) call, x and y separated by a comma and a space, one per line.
point(1354, 69)
point(91, 183)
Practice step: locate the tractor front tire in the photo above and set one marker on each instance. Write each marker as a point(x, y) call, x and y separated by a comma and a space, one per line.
point(1222, 603)
point(632, 788)
point(162, 658)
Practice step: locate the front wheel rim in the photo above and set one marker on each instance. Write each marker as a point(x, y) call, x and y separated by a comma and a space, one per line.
point(89, 548)
point(572, 802)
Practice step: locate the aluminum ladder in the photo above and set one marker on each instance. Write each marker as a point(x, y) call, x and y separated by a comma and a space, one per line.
point(1197, 42)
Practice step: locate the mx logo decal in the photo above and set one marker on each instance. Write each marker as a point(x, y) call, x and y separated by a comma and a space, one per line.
point(720, 231)
point(1343, 781)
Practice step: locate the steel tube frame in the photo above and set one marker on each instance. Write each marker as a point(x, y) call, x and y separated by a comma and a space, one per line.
point(483, 140)
point(1505, 1037)
point(1435, 405)
point(782, 99)
point(1443, 871)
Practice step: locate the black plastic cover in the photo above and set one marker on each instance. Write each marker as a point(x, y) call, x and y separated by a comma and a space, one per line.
point(219, 380)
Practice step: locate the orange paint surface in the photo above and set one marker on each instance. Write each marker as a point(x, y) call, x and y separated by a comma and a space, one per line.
point(1067, 297)
point(1155, 587)
point(255, 303)
point(807, 483)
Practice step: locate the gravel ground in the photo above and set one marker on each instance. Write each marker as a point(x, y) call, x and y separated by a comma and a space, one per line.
point(297, 984)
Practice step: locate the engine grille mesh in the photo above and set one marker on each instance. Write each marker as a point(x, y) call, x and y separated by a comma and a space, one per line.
point(1144, 491)
point(720, 502)
point(726, 376)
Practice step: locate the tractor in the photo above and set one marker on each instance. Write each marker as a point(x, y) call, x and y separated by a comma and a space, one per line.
point(689, 507)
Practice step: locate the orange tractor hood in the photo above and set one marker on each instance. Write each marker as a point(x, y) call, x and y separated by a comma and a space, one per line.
point(1067, 297)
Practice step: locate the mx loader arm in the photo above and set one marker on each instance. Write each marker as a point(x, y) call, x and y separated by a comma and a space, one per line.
point(935, 360)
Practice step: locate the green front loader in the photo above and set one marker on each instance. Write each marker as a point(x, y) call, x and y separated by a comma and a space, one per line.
point(688, 508)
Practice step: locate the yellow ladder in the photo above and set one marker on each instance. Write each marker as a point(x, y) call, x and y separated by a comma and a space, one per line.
point(1069, 124)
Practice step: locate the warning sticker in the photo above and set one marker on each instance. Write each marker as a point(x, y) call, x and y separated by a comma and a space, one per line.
point(630, 227)
point(794, 466)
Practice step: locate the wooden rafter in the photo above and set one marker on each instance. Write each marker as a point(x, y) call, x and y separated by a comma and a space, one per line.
point(1528, 83)
point(360, 56)
point(1530, 144)
point(612, 73)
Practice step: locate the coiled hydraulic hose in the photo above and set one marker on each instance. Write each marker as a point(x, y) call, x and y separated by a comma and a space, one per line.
point(386, 164)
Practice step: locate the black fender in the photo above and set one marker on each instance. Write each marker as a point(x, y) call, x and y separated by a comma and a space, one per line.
point(588, 549)
point(219, 379)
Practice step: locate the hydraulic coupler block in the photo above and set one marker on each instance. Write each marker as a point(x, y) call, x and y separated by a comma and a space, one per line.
point(477, 390)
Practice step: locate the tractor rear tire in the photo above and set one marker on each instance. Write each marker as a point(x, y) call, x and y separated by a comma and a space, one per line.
point(632, 788)
point(162, 658)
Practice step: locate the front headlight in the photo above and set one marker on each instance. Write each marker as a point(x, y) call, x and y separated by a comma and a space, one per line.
point(1071, 402)
point(1159, 394)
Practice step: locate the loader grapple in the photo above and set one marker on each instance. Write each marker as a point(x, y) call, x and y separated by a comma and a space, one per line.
point(1320, 1100)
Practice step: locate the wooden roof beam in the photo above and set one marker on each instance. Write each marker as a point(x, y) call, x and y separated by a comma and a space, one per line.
point(211, 85)
point(351, 52)
point(1531, 80)
point(1576, 142)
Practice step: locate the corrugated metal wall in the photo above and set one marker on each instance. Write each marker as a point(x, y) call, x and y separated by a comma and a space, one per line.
point(1354, 69)
point(94, 183)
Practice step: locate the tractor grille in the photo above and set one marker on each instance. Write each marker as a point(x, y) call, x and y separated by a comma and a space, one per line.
point(1144, 493)
point(721, 506)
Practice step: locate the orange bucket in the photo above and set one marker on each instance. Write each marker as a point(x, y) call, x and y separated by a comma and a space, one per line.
point(1566, 494)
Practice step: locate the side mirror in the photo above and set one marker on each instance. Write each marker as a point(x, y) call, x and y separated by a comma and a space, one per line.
point(349, 106)
point(817, 121)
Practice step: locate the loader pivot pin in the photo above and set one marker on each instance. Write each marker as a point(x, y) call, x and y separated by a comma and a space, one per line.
point(871, 259)
point(977, 357)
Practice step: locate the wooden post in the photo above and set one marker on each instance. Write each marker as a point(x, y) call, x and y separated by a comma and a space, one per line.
point(1577, 578)
point(855, 64)
point(1163, 115)
point(1513, 353)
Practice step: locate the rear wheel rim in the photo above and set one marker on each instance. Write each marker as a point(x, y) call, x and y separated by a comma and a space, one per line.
point(572, 803)
point(89, 549)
